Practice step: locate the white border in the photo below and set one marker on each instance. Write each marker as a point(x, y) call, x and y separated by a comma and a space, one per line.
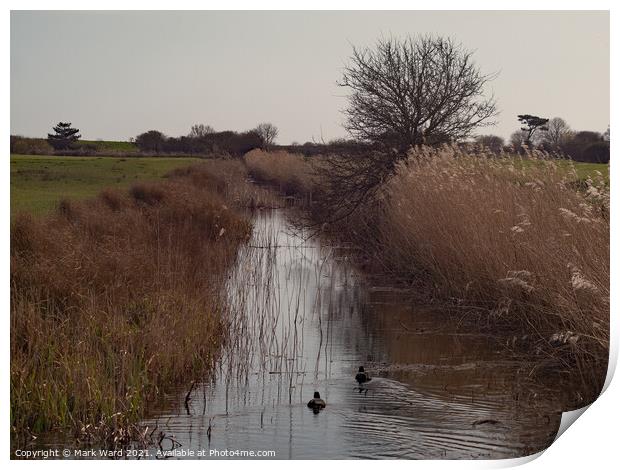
point(590, 443)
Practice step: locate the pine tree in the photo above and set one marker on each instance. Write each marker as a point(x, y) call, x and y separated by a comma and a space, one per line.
point(531, 124)
point(64, 136)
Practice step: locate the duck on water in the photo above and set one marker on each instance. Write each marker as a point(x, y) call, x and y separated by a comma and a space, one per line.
point(362, 376)
point(317, 403)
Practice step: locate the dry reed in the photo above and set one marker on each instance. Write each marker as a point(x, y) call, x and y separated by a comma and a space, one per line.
point(509, 234)
point(291, 173)
point(115, 299)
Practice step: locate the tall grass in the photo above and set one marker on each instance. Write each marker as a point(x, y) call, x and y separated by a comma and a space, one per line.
point(523, 243)
point(517, 239)
point(292, 174)
point(231, 179)
point(115, 299)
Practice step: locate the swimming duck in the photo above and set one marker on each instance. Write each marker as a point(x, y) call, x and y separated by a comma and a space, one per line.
point(317, 403)
point(362, 376)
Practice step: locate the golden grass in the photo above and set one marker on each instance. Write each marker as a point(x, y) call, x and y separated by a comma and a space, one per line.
point(230, 178)
point(292, 174)
point(522, 240)
point(115, 299)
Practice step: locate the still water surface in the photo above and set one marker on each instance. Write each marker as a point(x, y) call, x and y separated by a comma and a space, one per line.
point(303, 320)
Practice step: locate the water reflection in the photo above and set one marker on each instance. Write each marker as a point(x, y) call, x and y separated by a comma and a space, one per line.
point(302, 321)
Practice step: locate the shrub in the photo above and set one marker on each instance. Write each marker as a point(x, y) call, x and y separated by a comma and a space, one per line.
point(27, 146)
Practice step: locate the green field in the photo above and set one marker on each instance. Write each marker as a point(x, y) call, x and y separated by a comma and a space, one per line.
point(39, 182)
point(589, 169)
point(583, 170)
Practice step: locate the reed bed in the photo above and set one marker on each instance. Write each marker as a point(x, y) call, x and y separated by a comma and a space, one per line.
point(513, 237)
point(116, 299)
point(292, 174)
point(519, 241)
point(231, 180)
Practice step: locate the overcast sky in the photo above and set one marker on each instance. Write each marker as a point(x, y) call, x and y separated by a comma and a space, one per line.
point(116, 74)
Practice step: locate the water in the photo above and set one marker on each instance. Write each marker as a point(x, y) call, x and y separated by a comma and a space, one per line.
point(302, 320)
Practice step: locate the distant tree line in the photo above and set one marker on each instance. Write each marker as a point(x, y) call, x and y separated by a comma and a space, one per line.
point(554, 136)
point(203, 139)
point(551, 135)
point(349, 147)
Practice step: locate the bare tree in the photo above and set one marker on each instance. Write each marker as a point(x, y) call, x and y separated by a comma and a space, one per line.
point(403, 93)
point(558, 132)
point(268, 132)
point(494, 143)
point(518, 139)
point(420, 90)
point(200, 130)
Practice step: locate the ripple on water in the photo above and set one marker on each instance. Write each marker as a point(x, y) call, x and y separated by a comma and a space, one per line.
point(303, 320)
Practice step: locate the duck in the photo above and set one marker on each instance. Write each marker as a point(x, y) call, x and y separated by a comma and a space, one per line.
point(317, 403)
point(362, 376)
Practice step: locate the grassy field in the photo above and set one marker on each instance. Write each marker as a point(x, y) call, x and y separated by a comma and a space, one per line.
point(589, 169)
point(583, 170)
point(39, 182)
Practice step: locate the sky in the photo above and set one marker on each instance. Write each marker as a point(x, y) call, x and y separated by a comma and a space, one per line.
point(116, 74)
